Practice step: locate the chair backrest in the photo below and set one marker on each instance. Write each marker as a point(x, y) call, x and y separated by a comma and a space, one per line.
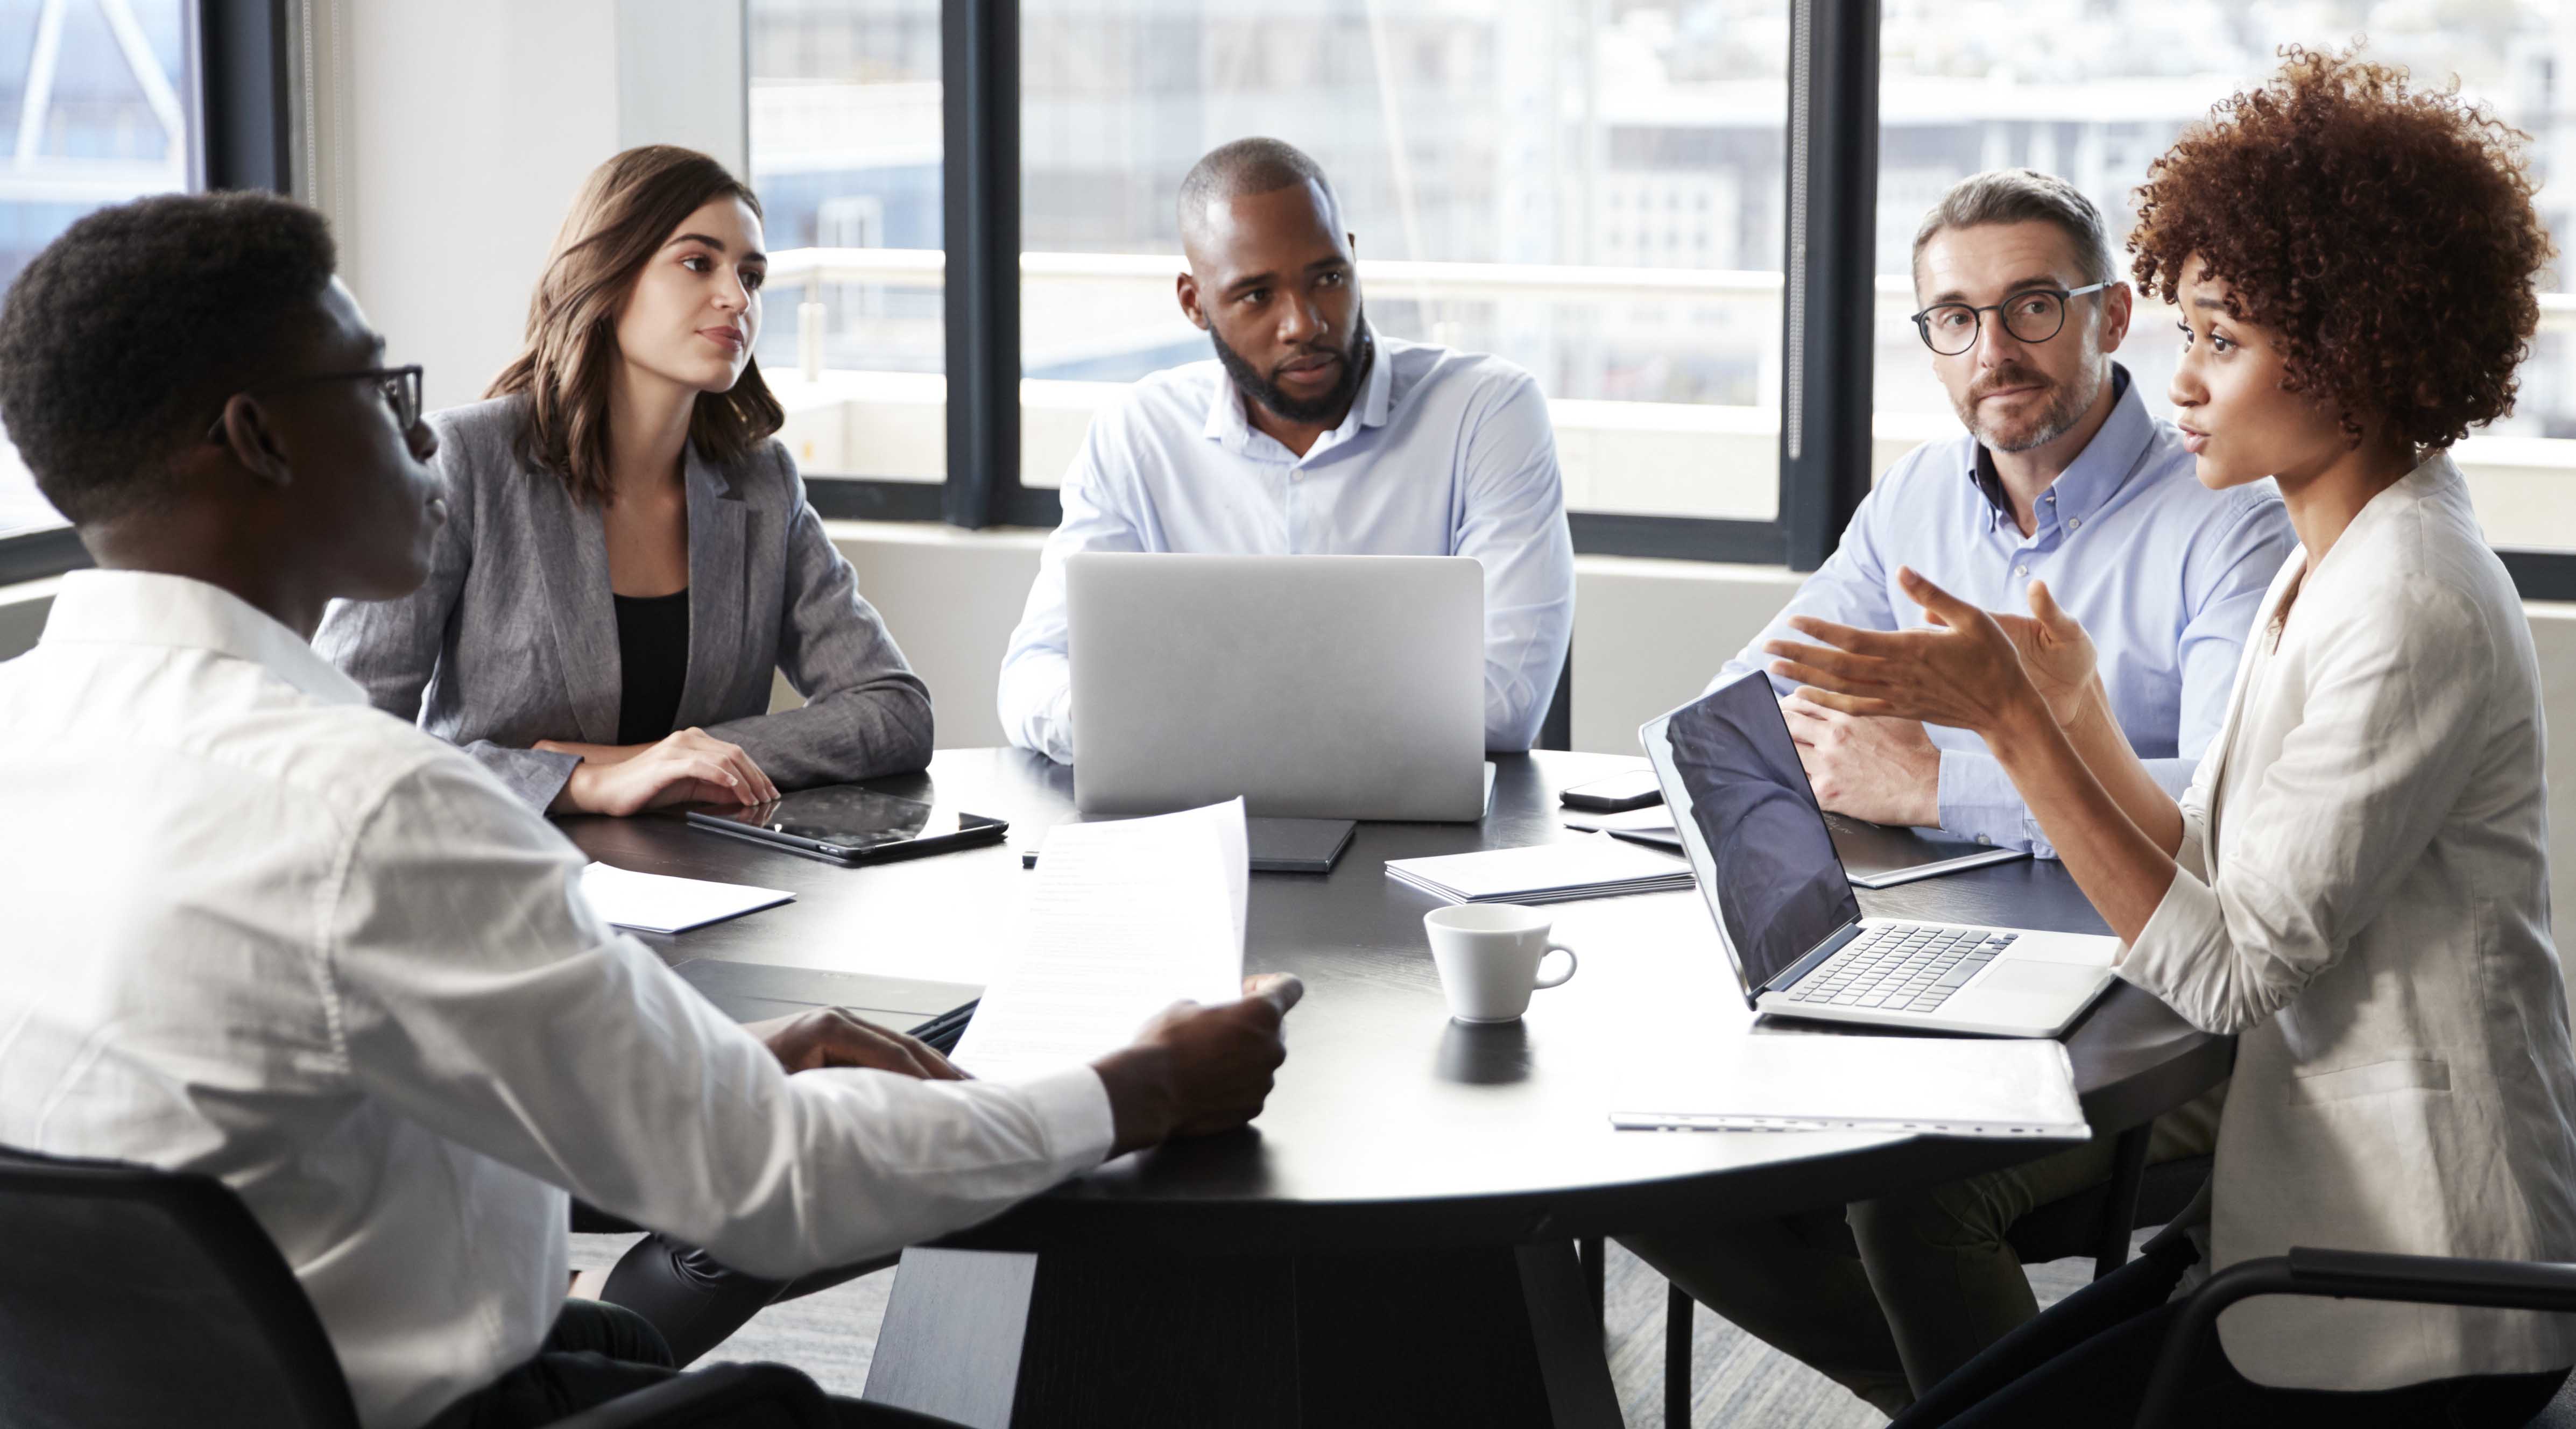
point(1556, 730)
point(134, 1297)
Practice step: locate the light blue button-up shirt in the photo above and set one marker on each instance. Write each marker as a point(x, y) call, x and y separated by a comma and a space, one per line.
point(1444, 453)
point(2164, 573)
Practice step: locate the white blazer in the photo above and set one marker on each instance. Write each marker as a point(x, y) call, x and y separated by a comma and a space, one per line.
point(2364, 899)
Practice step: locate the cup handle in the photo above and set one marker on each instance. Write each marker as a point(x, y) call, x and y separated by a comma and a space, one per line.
point(1560, 979)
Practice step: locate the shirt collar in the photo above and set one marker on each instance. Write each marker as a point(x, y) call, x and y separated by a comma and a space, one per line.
point(148, 608)
point(2089, 480)
point(1228, 426)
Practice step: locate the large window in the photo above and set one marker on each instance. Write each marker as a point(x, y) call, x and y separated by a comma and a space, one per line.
point(2094, 90)
point(1592, 191)
point(95, 109)
point(1602, 191)
point(846, 154)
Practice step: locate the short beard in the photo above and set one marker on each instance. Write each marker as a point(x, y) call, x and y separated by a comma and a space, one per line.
point(1260, 388)
point(2070, 403)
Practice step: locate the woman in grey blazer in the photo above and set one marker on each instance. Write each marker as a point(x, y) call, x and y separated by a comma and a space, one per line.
point(629, 553)
point(2356, 884)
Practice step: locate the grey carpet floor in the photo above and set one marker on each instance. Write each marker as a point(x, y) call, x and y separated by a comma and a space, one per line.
point(1735, 1379)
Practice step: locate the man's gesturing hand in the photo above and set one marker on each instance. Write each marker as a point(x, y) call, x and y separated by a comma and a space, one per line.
point(1196, 1070)
point(833, 1037)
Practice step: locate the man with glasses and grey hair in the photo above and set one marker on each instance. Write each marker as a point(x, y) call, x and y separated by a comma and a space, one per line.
point(2061, 476)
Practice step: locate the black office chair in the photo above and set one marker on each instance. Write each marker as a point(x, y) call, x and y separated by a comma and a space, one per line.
point(2356, 1275)
point(2097, 1221)
point(134, 1297)
point(1556, 730)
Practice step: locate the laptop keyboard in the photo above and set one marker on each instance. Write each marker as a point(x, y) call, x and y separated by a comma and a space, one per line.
point(1902, 967)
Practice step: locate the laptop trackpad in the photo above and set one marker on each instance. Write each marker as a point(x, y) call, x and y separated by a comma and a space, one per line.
point(2053, 980)
point(2035, 999)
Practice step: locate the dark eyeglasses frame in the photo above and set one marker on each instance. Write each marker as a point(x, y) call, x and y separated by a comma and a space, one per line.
point(404, 399)
point(1977, 315)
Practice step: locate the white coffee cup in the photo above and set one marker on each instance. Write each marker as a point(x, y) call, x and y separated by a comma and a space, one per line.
point(1488, 955)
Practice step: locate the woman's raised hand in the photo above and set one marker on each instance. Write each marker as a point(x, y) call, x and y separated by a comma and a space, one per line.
point(1967, 672)
point(2055, 652)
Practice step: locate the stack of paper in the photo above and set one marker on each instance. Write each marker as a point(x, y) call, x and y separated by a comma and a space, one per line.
point(1597, 867)
point(659, 903)
point(1126, 919)
point(1652, 818)
point(1928, 1086)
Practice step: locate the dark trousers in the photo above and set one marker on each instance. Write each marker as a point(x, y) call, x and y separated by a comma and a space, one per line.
point(692, 1300)
point(2088, 1359)
point(598, 1352)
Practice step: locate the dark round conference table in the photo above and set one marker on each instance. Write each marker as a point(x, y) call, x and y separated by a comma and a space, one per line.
point(1392, 1241)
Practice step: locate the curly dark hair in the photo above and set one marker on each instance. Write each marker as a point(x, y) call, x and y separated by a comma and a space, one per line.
point(120, 342)
point(2385, 232)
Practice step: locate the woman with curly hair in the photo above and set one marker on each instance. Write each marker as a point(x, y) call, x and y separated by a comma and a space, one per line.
point(2356, 883)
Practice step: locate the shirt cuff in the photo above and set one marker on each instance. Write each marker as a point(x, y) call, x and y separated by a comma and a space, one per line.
point(1978, 801)
point(1072, 1108)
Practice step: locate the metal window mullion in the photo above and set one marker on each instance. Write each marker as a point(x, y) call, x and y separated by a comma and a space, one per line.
point(1829, 279)
point(979, 68)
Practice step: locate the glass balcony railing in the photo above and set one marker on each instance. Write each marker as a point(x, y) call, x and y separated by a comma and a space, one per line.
point(1110, 317)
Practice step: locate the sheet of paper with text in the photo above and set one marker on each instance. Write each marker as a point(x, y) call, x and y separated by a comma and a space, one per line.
point(1127, 918)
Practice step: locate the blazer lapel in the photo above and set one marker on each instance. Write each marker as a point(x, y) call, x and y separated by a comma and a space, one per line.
point(717, 605)
point(575, 543)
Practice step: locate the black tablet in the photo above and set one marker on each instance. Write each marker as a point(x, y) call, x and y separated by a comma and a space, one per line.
point(847, 824)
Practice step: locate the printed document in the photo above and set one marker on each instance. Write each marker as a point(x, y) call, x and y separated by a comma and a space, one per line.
point(1126, 918)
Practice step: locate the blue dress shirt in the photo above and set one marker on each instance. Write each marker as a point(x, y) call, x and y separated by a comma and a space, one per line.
point(1444, 453)
point(2164, 573)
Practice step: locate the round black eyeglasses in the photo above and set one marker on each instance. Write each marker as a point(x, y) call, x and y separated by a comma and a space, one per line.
point(2032, 315)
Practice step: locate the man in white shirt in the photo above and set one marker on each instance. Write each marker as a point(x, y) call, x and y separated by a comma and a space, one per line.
point(1310, 434)
point(261, 931)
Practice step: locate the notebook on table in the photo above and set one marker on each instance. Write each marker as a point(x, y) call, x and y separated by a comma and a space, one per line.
point(755, 992)
point(1595, 867)
point(1873, 855)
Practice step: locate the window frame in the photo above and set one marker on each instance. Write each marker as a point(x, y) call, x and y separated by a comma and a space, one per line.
point(245, 140)
point(1825, 435)
point(244, 97)
point(980, 174)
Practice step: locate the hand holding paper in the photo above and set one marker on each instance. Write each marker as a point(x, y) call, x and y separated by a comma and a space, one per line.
point(1138, 924)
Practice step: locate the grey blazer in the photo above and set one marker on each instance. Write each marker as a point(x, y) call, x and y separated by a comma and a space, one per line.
point(513, 638)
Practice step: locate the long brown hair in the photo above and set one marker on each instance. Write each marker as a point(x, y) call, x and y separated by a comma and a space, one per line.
point(625, 210)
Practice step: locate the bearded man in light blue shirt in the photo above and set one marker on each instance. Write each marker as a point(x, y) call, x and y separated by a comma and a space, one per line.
point(1310, 434)
point(2060, 476)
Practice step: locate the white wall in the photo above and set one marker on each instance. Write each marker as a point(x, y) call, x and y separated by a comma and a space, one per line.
point(451, 137)
point(473, 121)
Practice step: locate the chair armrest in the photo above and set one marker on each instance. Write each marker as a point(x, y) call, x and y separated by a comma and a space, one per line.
point(720, 1395)
point(2349, 1275)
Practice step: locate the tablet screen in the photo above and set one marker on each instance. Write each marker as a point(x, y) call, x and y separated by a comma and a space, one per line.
point(842, 814)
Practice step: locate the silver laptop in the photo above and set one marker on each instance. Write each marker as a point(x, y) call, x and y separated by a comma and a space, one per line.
point(1316, 687)
point(1761, 854)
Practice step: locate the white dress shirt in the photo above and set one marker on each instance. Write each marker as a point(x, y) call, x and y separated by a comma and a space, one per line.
point(2364, 899)
point(262, 931)
point(1444, 453)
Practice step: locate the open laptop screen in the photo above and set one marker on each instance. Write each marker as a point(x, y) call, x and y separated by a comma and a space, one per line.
point(1749, 822)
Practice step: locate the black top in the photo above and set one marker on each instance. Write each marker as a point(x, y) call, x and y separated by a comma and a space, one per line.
point(653, 658)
